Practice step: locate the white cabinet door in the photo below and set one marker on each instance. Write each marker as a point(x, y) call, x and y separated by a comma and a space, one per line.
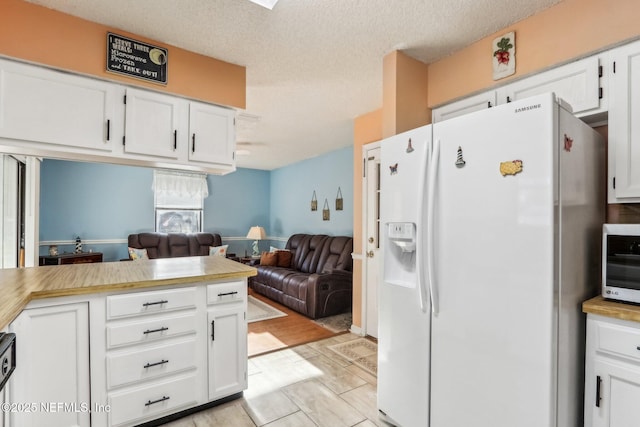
point(577, 83)
point(617, 394)
point(155, 124)
point(227, 350)
point(624, 128)
point(45, 106)
point(465, 106)
point(52, 366)
point(211, 134)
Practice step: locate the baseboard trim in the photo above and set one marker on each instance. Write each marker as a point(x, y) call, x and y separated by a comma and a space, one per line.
point(356, 330)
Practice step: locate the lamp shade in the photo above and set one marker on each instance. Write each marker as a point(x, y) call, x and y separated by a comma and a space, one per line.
point(256, 233)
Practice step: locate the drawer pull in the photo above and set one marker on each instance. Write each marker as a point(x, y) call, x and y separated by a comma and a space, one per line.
point(149, 365)
point(147, 304)
point(151, 331)
point(151, 402)
point(227, 293)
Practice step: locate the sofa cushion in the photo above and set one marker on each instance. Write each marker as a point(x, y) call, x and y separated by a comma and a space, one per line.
point(269, 258)
point(218, 250)
point(178, 245)
point(136, 254)
point(336, 255)
point(284, 258)
point(199, 243)
point(308, 253)
point(154, 243)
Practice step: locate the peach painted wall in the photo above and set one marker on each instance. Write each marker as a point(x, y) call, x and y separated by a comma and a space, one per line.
point(404, 94)
point(568, 30)
point(367, 128)
point(37, 34)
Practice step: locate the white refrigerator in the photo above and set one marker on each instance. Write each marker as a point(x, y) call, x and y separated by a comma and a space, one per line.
point(403, 303)
point(510, 232)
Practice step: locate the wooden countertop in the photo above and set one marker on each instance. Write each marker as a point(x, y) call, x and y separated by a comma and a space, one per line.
point(617, 310)
point(20, 285)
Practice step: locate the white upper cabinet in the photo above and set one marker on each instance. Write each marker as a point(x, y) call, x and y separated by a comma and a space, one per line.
point(624, 127)
point(155, 124)
point(577, 83)
point(44, 106)
point(211, 134)
point(465, 106)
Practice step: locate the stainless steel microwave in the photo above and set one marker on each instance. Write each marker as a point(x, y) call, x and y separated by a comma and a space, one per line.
point(621, 262)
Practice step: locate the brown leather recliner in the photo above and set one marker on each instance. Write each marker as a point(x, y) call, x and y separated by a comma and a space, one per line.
point(319, 281)
point(169, 245)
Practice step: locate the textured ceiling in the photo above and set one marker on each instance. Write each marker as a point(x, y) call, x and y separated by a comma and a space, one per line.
point(312, 65)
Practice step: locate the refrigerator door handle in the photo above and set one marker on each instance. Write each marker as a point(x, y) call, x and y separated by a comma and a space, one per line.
point(433, 173)
point(420, 237)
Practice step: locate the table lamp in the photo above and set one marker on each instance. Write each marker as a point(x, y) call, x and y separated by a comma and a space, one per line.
point(256, 233)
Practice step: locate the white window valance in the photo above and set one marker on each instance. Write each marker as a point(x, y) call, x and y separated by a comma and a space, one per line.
point(168, 183)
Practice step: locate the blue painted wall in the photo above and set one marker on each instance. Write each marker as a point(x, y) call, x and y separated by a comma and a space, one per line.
point(109, 202)
point(292, 188)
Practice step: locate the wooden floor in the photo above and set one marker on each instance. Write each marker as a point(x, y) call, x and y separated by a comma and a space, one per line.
point(282, 332)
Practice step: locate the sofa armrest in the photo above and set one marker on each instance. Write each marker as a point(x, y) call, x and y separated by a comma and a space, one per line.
point(329, 293)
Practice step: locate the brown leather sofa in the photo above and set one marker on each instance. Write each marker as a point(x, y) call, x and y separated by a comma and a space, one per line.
point(319, 281)
point(169, 245)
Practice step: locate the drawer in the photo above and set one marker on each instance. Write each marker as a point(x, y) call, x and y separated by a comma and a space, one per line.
point(153, 401)
point(140, 303)
point(148, 330)
point(150, 362)
point(226, 292)
point(618, 340)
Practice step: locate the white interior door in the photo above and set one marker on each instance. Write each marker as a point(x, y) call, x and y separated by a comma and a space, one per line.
point(371, 245)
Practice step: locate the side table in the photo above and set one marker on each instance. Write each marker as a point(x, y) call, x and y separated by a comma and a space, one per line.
point(81, 258)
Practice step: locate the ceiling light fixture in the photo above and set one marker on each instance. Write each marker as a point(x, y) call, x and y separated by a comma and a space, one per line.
point(269, 4)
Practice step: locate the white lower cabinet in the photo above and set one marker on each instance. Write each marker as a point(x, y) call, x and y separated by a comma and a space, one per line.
point(612, 377)
point(227, 349)
point(153, 400)
point(153, 353)
point(227, 344)
point(50, 386)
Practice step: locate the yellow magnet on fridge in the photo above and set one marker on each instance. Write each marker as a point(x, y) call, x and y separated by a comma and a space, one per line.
point(511, 168)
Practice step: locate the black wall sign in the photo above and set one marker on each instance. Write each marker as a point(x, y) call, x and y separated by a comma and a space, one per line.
point(136, 59)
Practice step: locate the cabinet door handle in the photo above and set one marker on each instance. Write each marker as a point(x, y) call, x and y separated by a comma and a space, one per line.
point(151, 402)
point(149, 365)
point(193, 143)
point(598, 398)
point(489, 104)
point(151, 331)
point(227, 293)
point(175, 139)
point(213, 330)
point(508, 99)
point(147, 304)
point(108, 129)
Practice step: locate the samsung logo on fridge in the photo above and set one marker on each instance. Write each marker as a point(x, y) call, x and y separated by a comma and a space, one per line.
point(528, 107)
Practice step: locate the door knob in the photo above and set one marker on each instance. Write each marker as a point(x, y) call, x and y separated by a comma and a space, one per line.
point(370, 239)
point(370, 254)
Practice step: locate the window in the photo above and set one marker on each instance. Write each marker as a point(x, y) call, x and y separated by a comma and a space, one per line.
point(179, 201)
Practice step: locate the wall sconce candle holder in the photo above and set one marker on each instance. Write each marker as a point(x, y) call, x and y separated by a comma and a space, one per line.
point(339, 200)
point(314, 202)
point(325, 210)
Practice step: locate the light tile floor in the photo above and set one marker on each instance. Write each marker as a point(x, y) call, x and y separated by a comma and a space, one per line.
point(308, 385)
